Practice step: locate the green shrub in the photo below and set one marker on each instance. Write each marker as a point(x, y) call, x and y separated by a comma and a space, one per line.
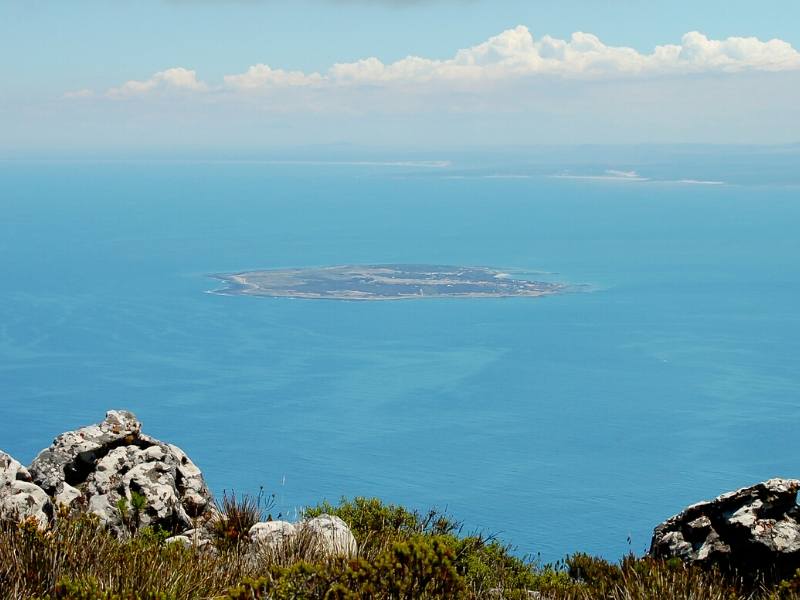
point(418, 569)
point(484, 563)
point(651, 579)
point(596, 574)
point(404, 555)
point(368, 516)
point(89, 589)
point(489, 565)
point(788, 588)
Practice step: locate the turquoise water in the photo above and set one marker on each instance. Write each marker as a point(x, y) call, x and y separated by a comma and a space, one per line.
point(560, 424)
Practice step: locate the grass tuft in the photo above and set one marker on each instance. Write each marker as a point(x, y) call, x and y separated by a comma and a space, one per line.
point(236, 515)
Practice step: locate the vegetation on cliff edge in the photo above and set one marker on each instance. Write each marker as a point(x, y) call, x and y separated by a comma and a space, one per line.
point(402, 555)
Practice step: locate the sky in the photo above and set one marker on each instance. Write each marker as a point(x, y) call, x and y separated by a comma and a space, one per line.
point(92, 74)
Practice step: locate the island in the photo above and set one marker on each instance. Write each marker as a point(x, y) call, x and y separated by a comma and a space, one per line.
point(383, 282)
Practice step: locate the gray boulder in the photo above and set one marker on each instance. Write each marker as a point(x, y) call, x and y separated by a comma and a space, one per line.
point(330, 536)
point(325, 536)
point(182, 540)
point(272, 534)
point(107, 468)
point(752, 530)
point(198, 539)
point(20, 498)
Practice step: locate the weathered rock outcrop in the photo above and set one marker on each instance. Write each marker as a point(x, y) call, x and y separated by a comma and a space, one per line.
point(73, 455)
point(105, 468)
point(754, 529)
point(20, 498)
point(131, 480)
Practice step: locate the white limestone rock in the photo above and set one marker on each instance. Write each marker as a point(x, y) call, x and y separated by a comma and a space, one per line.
point(272, 534)
point(151, 472)
point(99, 468)
point(20, 498)
point(65, 495)
point(183, 540)
point(195, 496)
point(12, 470)
point(73, 454)
point(331, 536)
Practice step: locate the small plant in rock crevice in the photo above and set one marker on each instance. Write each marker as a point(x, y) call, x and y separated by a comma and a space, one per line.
point(130, 513)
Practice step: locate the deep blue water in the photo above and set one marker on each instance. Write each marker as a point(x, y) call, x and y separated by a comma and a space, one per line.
point(561, 424)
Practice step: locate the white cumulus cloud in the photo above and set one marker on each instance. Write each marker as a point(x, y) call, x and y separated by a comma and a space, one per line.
point(79, 94)
point(260, 75)
point(176, 78)
point(734, 53)
point(513, 54)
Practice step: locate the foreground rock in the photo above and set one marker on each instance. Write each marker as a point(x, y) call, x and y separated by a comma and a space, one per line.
point(20, 498)
point(754, 529)
point(325, 535)
point(331, 536)
point(272, 534)
point(199, 539)
point(130, 480)
point(126, 478)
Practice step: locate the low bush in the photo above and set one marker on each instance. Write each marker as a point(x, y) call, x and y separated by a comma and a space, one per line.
point(404, 555)
point(376, 525)
point(419, 569)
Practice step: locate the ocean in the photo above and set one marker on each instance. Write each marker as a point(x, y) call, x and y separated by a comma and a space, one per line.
point(569, 423)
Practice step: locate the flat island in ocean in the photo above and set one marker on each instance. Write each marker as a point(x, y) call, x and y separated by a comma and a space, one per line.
point(383, 282)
